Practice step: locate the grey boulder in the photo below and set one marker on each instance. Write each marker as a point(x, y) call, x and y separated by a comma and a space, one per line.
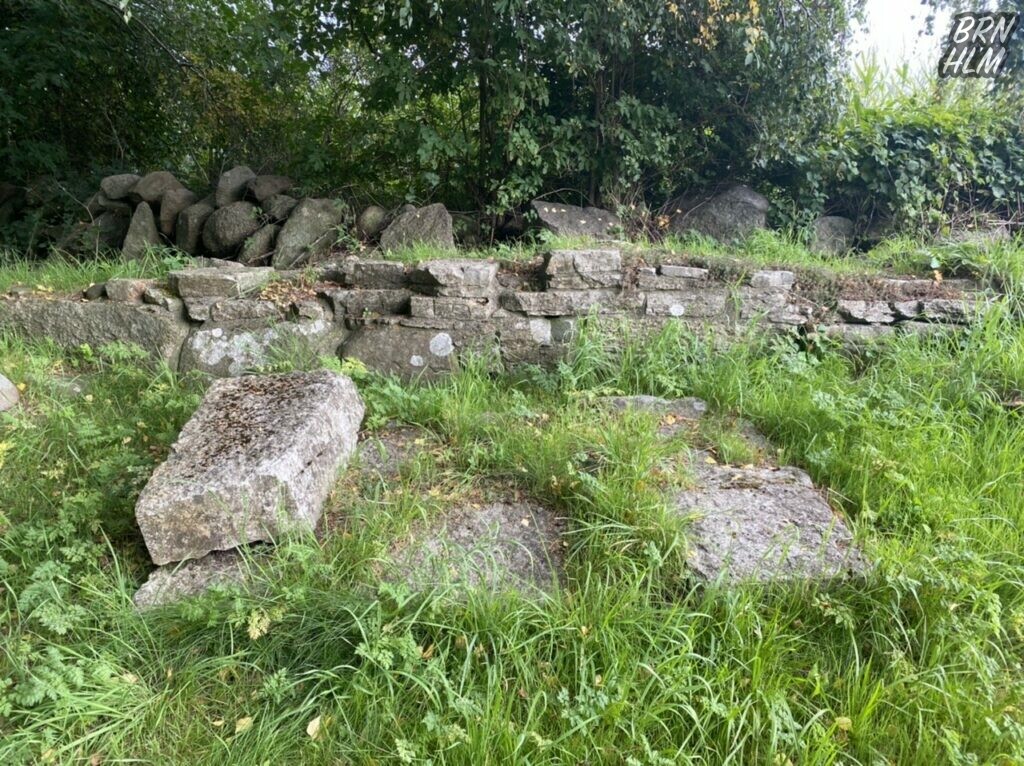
point(106, 232)
point(142, 232)
point(232, 184)
point(279, 207)
point(573, 221)
point(372, 221)
point(189, 227)
point(262, 188)
point(256, 460)
point(9, 396)
point(832, 235)
point(430, 225)
point(228, 227)
point(173, 202)
point(309, 232)
point(118, 187)
point(730, 216)
point(258, 248)
point(152, 187)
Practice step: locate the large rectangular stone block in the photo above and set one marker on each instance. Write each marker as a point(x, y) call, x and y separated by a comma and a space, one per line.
point(257, 459)
point(71, 323)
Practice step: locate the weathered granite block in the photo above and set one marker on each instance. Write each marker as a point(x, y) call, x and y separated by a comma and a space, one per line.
point(583, 269)
point(867, 312)
point(257, 459)
point(409, 352)
point(699, 303)
point(375, 274)
point(229, 350)
point(216, 282)
point(128, 290)
point(553, 303)
point(455, 278)
point(71, 323)
point(243, 310)
point(452, 308)
point(777, 279)
point(358, 303)
point(668, 277)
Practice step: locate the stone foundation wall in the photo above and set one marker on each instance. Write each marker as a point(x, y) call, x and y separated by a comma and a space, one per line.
point(226, 319)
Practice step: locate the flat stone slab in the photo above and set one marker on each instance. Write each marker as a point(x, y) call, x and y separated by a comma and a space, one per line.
point(257, 459)
point(215, 282)
point(176, 582)
point(764, 524)
point(499, 546)
point(674, 415)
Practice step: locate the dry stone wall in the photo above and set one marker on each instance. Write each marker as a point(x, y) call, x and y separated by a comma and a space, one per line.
point(227, 319)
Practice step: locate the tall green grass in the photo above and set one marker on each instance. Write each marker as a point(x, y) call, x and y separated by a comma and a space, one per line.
point(628, 662)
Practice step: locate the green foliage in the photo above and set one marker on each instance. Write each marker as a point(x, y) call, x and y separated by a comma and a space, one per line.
point(915, 153)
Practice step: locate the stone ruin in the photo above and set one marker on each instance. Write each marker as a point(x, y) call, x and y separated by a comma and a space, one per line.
point(257, 460)
point(227, 319)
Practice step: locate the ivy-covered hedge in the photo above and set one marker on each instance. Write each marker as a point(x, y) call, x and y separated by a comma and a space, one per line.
point(919, 159)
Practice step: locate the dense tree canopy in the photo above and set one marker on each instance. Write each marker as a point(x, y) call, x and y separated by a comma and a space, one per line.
point(482, 105)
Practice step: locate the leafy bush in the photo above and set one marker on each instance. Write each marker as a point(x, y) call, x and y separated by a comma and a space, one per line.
point(912, 152)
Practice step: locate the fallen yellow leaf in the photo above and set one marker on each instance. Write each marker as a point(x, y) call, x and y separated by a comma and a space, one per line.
point(243, 724)
point(313, 728)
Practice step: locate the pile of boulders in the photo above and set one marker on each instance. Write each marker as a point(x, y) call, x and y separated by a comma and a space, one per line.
point(254, 219)
point(259, 220)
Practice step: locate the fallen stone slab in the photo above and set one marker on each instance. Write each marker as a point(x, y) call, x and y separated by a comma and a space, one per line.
point(177, 582)
point(383, 453)
point(764, 524)
point(499, 547)
point(256, 460)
